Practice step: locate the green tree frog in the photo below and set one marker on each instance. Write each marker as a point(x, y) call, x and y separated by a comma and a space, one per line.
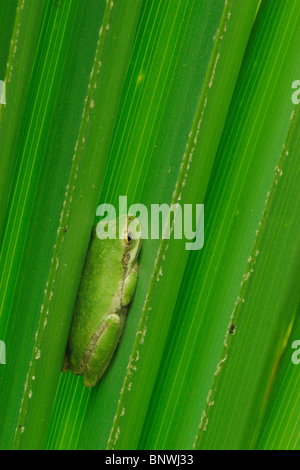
point(106, 289)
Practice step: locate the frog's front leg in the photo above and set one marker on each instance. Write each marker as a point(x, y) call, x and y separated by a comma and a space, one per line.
point(101, 348)
point(130, 286)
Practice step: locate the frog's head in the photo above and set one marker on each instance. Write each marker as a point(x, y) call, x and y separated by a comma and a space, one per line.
point(123, 233)
point(130, 227)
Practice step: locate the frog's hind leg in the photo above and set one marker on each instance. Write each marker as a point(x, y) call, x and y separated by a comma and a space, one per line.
point(102, 348)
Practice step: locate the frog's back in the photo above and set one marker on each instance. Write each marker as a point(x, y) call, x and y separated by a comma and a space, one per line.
point(98, 296)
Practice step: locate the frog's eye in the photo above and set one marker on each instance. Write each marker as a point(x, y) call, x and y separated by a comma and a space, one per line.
point(128, 238)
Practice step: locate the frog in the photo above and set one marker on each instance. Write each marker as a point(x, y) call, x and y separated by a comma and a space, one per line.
point(107, 287)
